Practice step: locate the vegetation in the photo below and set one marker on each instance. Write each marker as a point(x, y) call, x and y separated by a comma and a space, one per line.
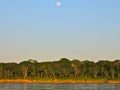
point(63, 69)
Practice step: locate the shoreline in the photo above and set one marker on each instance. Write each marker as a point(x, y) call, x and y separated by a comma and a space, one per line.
point(55, 81)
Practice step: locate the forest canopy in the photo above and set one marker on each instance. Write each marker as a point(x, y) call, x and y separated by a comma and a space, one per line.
point(62, 69)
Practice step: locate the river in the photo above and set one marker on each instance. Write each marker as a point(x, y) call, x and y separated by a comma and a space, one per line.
point(9, 86)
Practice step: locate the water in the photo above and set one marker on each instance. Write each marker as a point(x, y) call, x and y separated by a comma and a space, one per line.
point(59, 86)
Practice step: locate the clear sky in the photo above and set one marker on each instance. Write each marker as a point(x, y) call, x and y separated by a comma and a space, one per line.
point(78, 29)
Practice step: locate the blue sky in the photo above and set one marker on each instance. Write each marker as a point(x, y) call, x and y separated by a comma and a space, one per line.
point(78, 29)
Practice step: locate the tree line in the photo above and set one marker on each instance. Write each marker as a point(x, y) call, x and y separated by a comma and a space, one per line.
point(62, 69)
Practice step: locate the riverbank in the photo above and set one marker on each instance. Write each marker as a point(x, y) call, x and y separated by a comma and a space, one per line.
point(55, 81)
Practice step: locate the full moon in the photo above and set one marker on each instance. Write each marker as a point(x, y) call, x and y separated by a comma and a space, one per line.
point(58, 4)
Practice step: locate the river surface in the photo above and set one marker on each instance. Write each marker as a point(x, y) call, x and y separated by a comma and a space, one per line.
point(8, 86)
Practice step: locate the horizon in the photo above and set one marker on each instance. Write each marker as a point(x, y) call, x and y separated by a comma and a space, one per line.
point(41, 61)
point(52, 29)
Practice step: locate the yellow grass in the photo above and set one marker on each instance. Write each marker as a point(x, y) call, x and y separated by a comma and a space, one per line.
point(56, 81)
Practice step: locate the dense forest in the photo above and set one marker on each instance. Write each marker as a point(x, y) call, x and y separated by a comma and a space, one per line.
point(62, 69)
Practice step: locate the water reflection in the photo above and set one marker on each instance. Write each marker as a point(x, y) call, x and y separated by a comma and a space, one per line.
point(25, 87)
point(59, 86)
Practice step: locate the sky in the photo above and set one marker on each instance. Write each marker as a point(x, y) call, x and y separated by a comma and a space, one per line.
point(76, 29)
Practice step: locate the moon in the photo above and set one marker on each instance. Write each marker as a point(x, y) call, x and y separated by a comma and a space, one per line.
point(58, 4)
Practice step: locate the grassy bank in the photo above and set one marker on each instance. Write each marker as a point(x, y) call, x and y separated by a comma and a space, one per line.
point(56, 81)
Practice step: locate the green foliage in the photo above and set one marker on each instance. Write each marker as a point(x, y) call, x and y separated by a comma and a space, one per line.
point(62, 69)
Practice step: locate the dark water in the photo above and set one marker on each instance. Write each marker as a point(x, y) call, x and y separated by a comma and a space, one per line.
point(59, 86)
